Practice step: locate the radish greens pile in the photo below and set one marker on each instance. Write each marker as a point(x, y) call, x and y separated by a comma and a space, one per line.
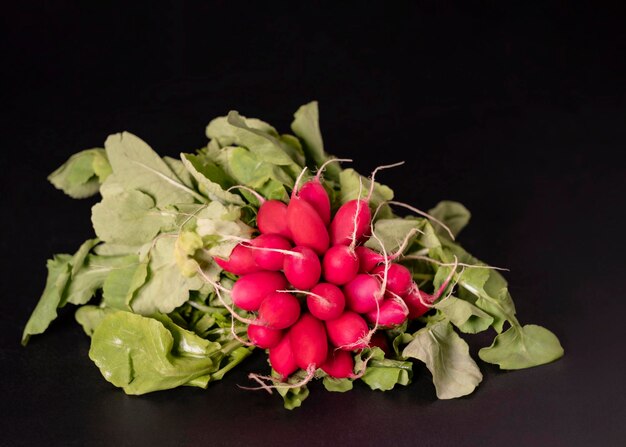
point(345, 289)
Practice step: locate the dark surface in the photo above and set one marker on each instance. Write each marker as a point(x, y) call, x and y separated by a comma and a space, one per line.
point(519, 114)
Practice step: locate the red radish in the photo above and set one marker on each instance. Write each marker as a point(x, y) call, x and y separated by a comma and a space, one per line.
point(272, 218)
point(339, 364)
point(418, 302)
point(379, 339)
point(282, 359)
point(251, 289)
point(399, 278)
point(368, 259)
point(340, 265)
point(270, 259)
point(390, 314)
point(240, 262)
point(306, 226)
point(314, 193)
point(279, 310)
point(362, 293)
point(264, 337)
point(351, 223)
point(309, 342)
point(326, 301)
point(347, 332)
point(303, 268)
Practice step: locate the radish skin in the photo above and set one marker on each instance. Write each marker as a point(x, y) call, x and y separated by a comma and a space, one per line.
point(240, 262)
point(269, 259)
point(339, 364)
point(343, 230)
point(326, 301)
point(340, 265)
point(399, 278)
point(264, 337)
point(306, 226)
point(362, 293)
point(279, 310)
point(272, 218)
point(390, 314)
point(303, 271)
point(251, 289)
point(314, 193)
point(347, 332)
point(282, 359)
point(309, 342)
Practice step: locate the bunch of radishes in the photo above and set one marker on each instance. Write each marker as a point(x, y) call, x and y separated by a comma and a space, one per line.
point(351, 290)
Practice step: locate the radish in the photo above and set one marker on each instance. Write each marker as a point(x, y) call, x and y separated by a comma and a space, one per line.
point(347, 332)
point(306, 226)
point(314, 193)
point(304, 222)
point(325, 301)
point(302, 268)
point(272, 218)
point(251, 289)
point(264, 337)
point(391, 313)
point(240, 262)
point(351, 223)
point(279, 310)
point(340, 264)
point(339, 364)
point(362, 293)
point(308, 342)
point(368, 259)
point(419, 302)
point(282, 359)
point(379, 339)
point(273, 258)
point(399, 278)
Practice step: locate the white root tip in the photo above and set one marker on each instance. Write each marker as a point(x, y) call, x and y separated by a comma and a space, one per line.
point(373, 175)
point(258, 196)
point(423, 213)
point(296, 186)
point(332, 160)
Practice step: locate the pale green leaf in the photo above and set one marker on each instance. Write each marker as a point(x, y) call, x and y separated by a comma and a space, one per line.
point(337, 385)
point(208, 188)
point(306, 126)
point(137, 167)
point(81, 175)
point(130, 218)
point(122, 282)
point(350, 183)
point(392, 232)
point(464, 315)
point(447, 357)
point(523, 347)
point(46, 309)
point(139, 354)
point(453, 214)
point(165, 288)
point(89, 317)
point(382, 373)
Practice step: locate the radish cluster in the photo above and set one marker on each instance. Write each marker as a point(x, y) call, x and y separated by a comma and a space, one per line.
point(317, 292)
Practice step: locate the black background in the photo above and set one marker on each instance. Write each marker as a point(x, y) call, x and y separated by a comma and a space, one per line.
point(516, 111)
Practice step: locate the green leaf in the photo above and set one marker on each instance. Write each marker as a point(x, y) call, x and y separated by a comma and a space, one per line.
point(81, 175)
point(382, 373)
point(141, 355)
point(453, 214)
point(306, 126)
point(523, 347)
point(137, 167)
point(464, 315)
point(446, 356)
point(130, 218)
point(206, 186)
point(122, 282)
point(350, 183)
point(293, 397)
point(337, 385)
point(89, 317)
point(392, 232)
point(165, 288)
point(249, 170)
point(46, 309)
